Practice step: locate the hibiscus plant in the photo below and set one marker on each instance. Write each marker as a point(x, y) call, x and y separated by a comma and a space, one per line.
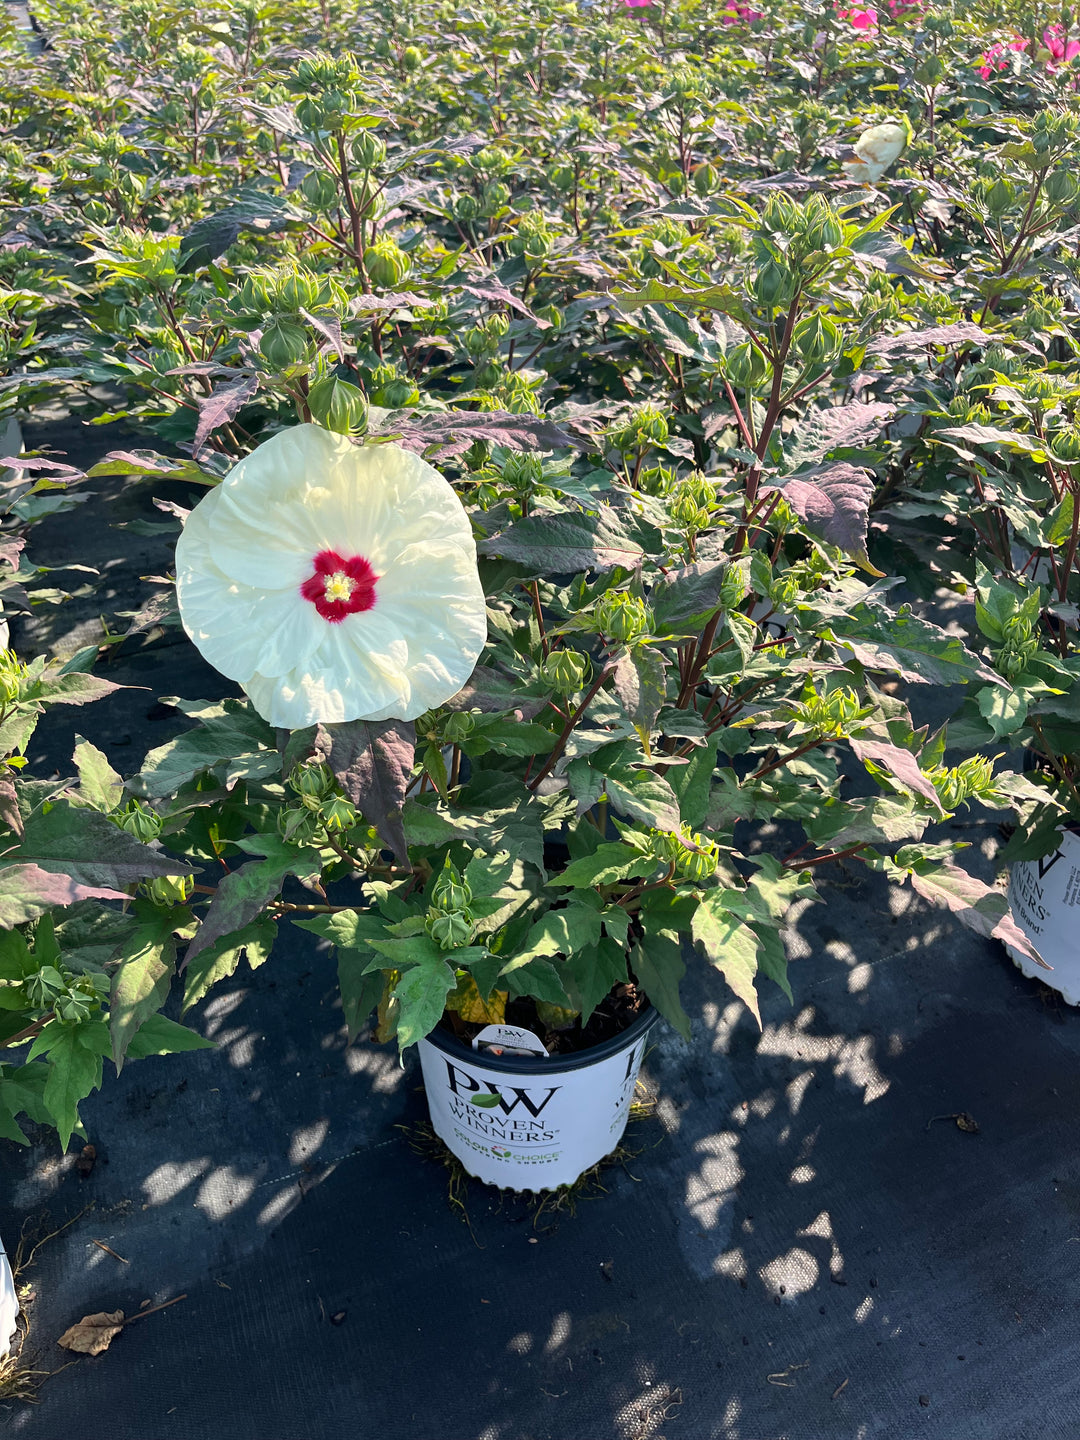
point(587, 415)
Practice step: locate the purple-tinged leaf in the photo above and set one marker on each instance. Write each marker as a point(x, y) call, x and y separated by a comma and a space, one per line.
point(979, 906)
point(910, 342)
point(10, 814)
point(453, 431)
point(329, 327)
point(494, 290)
point(898, 762)
point(11, 549)
point(376, 304)
point(372, 761)
point(86, 847)
point(834, 500)
point(140, 984)
point(686, 598)
point(837, 427)
point(150, 463)
point(27, 891)
point(223, 405)
point(639, 682)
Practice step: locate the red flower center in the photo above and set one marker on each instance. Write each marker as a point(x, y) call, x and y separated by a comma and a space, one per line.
point(340, 586)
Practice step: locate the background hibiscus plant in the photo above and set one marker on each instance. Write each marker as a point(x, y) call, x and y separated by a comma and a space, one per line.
point(705, 334)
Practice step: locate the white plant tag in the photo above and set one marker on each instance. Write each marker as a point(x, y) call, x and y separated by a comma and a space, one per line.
point(508, 1040)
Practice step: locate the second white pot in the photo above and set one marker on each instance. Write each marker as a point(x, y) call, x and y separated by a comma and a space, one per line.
point(1044, 896)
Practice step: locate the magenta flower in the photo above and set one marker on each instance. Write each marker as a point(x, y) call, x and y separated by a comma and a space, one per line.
point(860, 19)
point(636, 4)
point(1061, 48)
point(739, 14)
point(997, 57)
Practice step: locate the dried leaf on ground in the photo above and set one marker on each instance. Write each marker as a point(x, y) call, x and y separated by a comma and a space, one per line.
point(94, 1333)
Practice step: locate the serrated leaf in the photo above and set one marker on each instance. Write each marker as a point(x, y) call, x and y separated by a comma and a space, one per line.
point(834, 500)
point(140, 984)
point(220, 960)
point(900, 763)
point(659, 967)
point(421, 993)
point(836, 427)
point(158, 1035)
point(684, 600)
point(372, 761)
point(730, 945)
point(87, 848)
point(1003, 710)
point(643, 795)
point(27, 891)
point(74, 1061)
point(611, 861)
point(223, 404)
point(99, 783)
point(246, 891)
point(566, 543)
point(639, 680)
point(593, 973)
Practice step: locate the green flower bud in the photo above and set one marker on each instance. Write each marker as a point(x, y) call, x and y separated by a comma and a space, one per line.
point(386, 263)
point(1065, 444)
point(169, 889)
point(312, 782)
point(284, 343)
point(399, 393)
point(339, 814)
point(566, 671)
point(745, 366)
point(297, 291)
point(1061, 187)
point(338, 405)
point(139, 820)
point(300, 826)
point(319, 190)
point(697, 864)
point(368, 150)
point(411, 58)
point(817, 341)
point(497, 325)
point(706, 180)
point(523, 472)
point(459, 726)
point(999, 197)
point(12, 676)
point(622, 617)
point(43, 987)
point(451, 891)
point(72, 1009)
point(773, 285)
point(449, 931)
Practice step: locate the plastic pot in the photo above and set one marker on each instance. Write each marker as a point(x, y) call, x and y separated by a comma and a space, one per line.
point(1045, 899)
point(530, 1121)
point(9, 1304)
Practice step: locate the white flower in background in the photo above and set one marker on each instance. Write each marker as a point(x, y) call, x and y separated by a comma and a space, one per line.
point(333, 581)
point(877, 149)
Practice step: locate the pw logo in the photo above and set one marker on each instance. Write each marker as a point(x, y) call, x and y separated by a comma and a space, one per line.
point(508, 1098)
point(1047, 863)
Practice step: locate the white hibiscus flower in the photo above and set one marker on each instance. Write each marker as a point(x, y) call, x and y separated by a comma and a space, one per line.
point(876, 149)
point(333, 581)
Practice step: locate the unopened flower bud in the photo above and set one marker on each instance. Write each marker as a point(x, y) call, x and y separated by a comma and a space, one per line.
point(449, 930)
point(622, 617)
point(451, 891)
point(284, 343)
point(139, 820)
point(566, 671)
point(459, 726)
point(169, 889)
point(386, 263)
point(338, 405)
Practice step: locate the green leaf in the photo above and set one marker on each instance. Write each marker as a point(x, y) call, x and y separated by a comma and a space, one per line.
point(99, 783)
point(89, 849)
point(658, 966)
point(158, 1035)
point(643, 795)
point(220, 960)
point(74, 1059)
point(421, 995)
point(611, 861)
point(509, 737)
point(140, 984)
point(684, 600)
point(566, 543)
point(592, 973)
point(540, 980)
point(909, 646)
point(246, 891)
point(1003, 710)
point(227, 732)
point(639, 681)
point(692, 782)
point(730, 945)
point(360, 991)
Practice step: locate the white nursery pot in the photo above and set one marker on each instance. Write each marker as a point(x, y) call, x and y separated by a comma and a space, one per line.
point(529, 1122)
point(1045, 899)
point(9, 1304)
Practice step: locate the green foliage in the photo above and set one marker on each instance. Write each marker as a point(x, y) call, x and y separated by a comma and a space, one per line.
point(708, 392)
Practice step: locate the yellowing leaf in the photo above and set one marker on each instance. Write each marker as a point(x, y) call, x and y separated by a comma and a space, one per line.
point(94, 1333)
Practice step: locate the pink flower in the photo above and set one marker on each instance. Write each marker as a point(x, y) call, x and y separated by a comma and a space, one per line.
point(899, 8)
point(636, 4)
point(997, 57)
point(1062, 49)
point(738, 13)
point(860, 19)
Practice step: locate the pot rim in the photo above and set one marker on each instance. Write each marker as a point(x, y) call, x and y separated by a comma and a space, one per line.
point(554, 1064)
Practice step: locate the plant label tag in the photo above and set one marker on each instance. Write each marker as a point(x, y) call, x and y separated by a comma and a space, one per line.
point(508, 1040)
